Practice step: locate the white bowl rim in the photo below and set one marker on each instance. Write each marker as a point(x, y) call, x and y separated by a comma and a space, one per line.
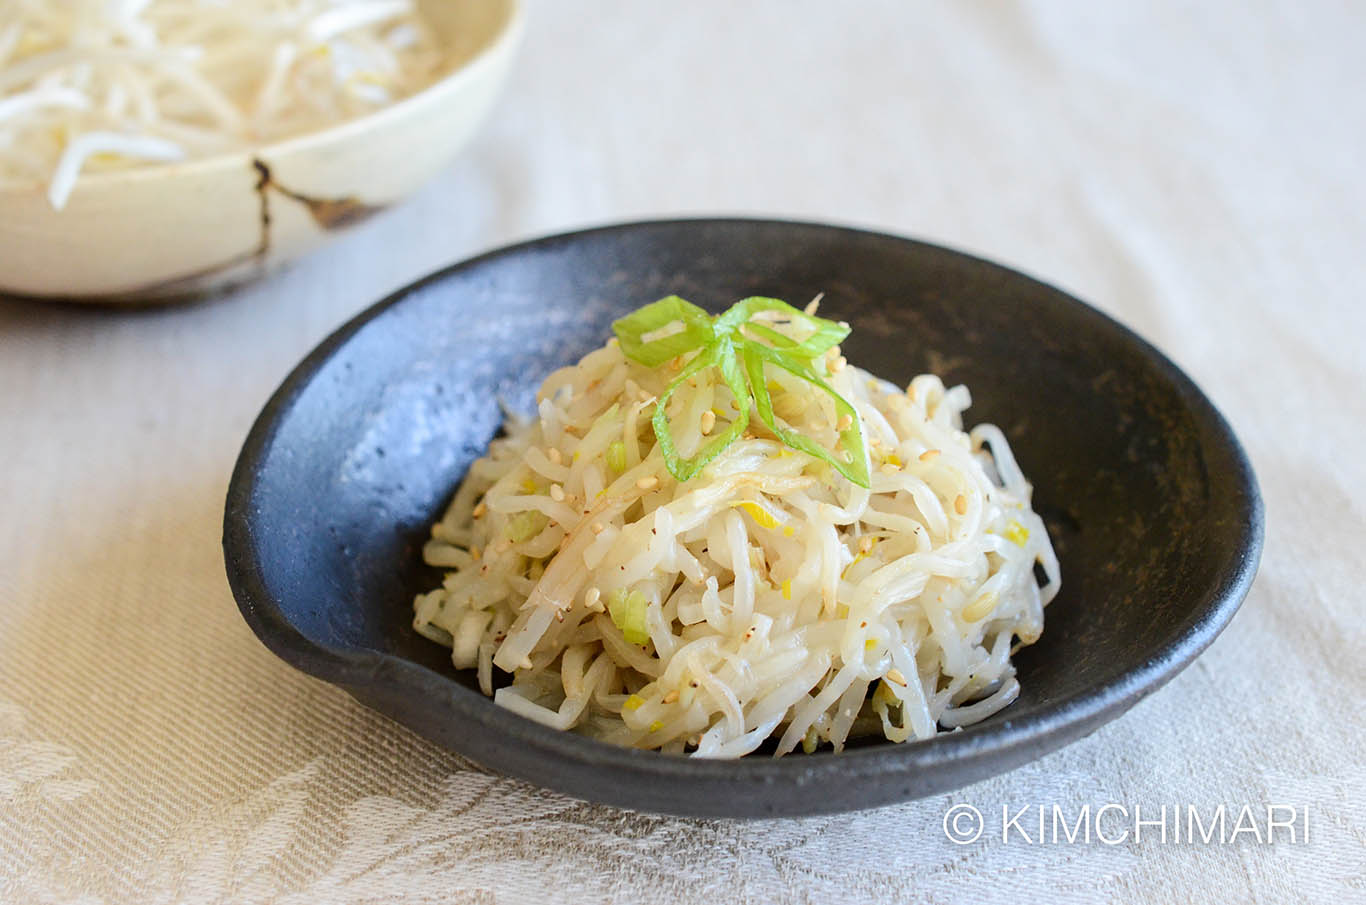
point(501, 42)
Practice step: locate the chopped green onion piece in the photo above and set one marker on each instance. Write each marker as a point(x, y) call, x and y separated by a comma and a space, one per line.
point(632, 329)
point(526, 525)
point(628, 614)
point(616, 456)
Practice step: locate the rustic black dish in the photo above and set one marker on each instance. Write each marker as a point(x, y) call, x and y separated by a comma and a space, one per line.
point(1150, 500)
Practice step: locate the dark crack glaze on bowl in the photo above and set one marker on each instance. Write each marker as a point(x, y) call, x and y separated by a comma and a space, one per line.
point(1150, 500)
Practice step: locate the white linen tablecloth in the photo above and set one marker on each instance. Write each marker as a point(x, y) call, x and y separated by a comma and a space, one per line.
point(1195, 170)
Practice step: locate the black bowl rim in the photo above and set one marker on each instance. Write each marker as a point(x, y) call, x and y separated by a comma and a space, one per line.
point(978, 753)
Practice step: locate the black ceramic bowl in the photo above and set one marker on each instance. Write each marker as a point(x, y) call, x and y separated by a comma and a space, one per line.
point(1149, 498)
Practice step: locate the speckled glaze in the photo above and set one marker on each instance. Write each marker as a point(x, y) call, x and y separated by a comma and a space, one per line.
point(1149, 498)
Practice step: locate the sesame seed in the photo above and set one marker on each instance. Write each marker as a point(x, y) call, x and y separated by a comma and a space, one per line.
point(647, 482)
point(960, 504)
point(865, 543)
point(708, 422)
point(888, 468)
point(670, 697)
point(676, 364)
point(480, 509)
point(475, 553)
point(844, 423)
point(838, 364)
point(596, 527)
point(929, 455)
point(895, 675)
point(591, 597)
point(525, 664)
point(554, 456)
point(557, 493)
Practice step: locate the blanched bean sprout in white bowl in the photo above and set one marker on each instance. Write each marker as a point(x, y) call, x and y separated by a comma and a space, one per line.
point(158, 148)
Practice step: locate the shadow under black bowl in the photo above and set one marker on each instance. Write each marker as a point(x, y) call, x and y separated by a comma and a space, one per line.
point(1149, 498)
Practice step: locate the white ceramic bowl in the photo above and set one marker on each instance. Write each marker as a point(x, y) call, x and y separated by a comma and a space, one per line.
point(168, 230)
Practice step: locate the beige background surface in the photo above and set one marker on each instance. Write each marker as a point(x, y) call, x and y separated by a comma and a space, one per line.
point(1195, 170)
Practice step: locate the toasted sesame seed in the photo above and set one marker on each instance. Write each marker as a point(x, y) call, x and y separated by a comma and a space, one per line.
point(929, 455)
point(475, 553)
point(844, 423)
point(708, 422)
point(676, 364)
point(480, 509)
point(554, 456)
point(557, 493)
point(838, 364)
point(596, 527)
point(670, 697)
point(647, 482)
point(960, 504)
point(895, 675)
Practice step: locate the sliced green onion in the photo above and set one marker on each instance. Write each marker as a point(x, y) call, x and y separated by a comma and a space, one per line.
point(616, 456)
point(628, 614)
point(724, 343)
point(526, 525)
point(632, 329)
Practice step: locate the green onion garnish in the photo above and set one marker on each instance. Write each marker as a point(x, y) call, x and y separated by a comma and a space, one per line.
point(526, 525)
point(628, 614)
point(616, 456)
point(739, 350)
